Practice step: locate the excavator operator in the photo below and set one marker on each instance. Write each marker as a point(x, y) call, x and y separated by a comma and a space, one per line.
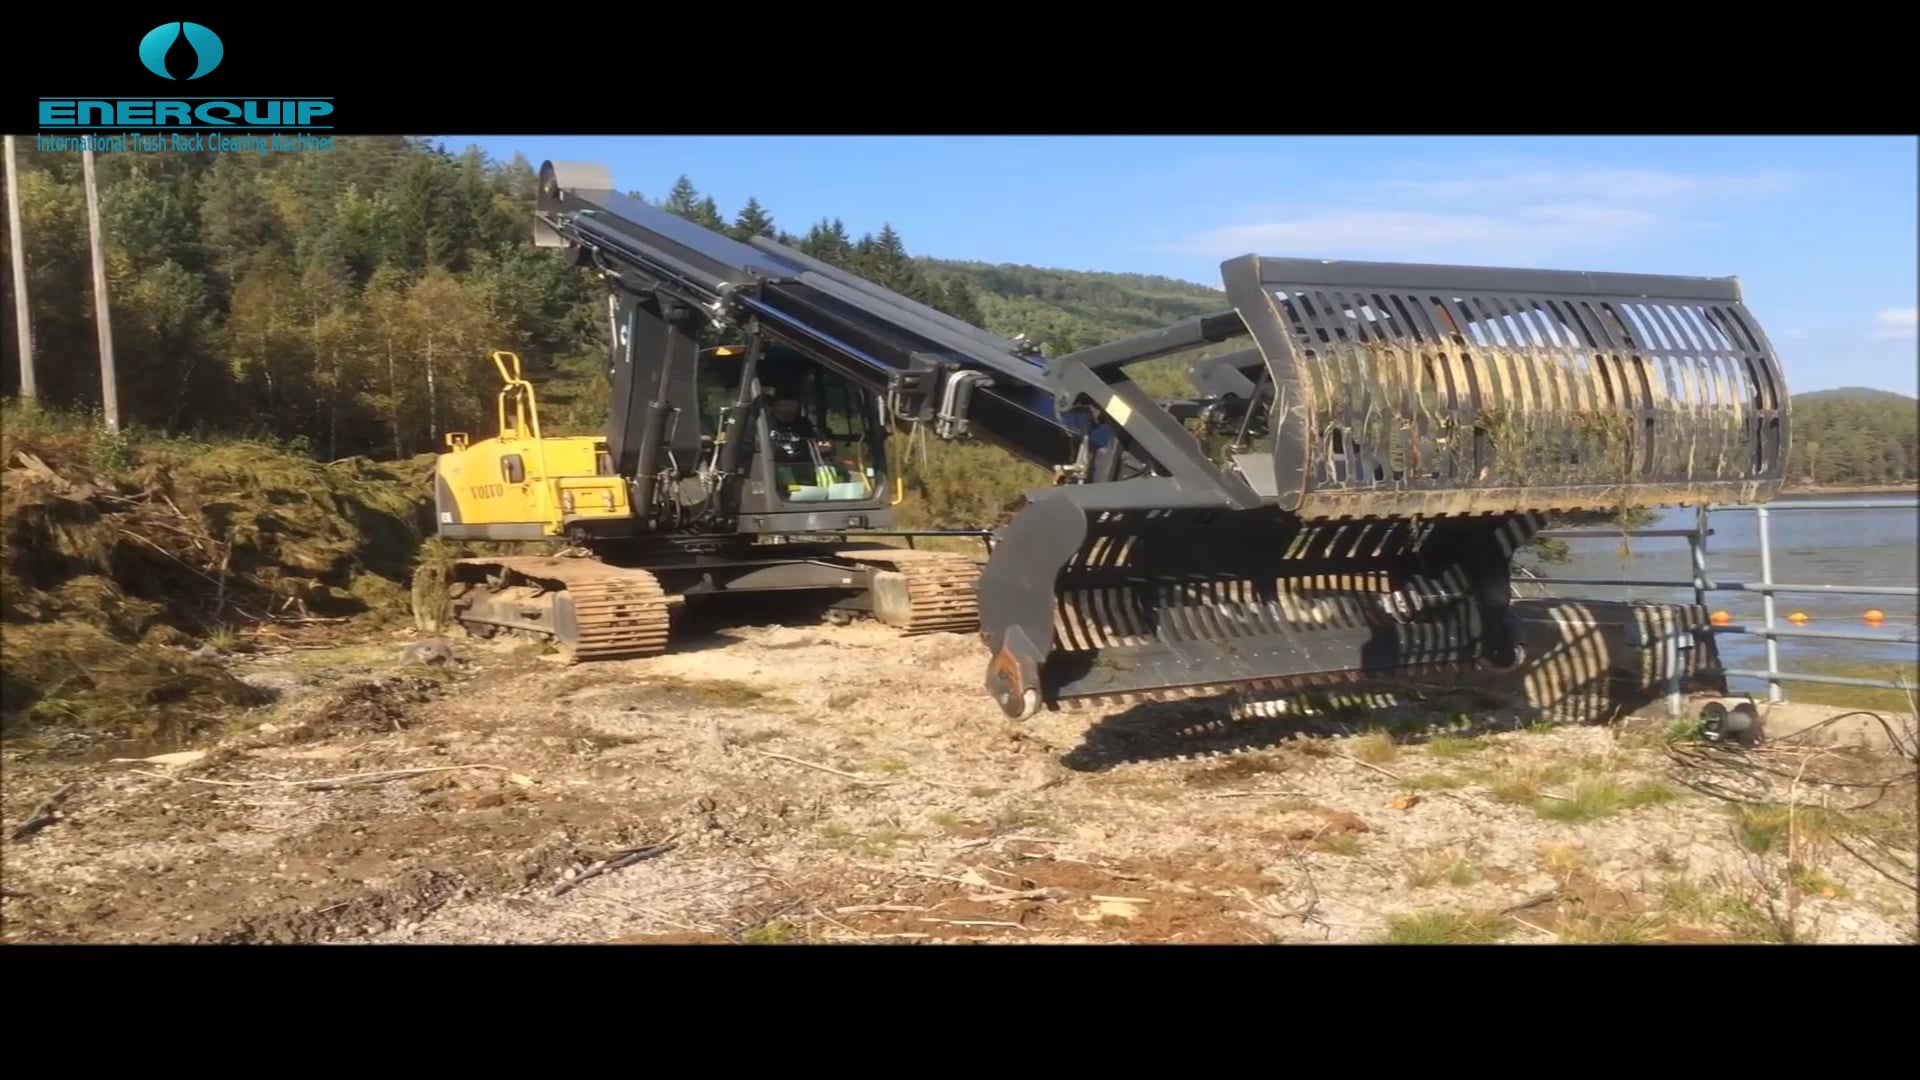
point(791, 433)
point(787, 424)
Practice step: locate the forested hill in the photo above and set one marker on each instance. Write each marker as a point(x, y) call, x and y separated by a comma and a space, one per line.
point(1853, 435)
point(345, 302)
point(1076, 309)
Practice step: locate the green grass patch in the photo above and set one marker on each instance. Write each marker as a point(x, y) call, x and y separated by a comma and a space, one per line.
point(1447, 928)
point(1453, 748)
point(1855, 697)
point(1524, 784)
point(1649, 736)
point(1434, 869)
point(1765, 828)
point(777, 932)
point(1375, 747)
point(1743, 913)
point(1604, 797)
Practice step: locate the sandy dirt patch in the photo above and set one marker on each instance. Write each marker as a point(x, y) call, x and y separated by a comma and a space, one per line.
point(825, 784)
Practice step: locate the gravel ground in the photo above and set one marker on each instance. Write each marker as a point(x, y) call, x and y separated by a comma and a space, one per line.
point(803, 784)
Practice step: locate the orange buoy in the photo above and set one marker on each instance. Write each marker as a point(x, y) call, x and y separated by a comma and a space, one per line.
point(1876, 616)
point(1797, 618)
point(1721, 618)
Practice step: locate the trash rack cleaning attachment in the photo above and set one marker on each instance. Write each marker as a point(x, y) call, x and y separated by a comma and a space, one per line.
point(1344, 499)
point(1368, 446)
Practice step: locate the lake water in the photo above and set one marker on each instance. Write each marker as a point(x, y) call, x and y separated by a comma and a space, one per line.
point(1810, 547)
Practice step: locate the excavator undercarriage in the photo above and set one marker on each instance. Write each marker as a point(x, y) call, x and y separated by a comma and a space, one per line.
point(1342, 499)
point(593, 609)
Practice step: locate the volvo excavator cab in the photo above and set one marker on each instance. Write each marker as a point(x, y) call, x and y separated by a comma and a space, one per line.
point(817, 443)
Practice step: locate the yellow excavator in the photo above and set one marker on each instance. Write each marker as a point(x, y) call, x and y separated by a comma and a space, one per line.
point(608, 594)
point(1341, 500)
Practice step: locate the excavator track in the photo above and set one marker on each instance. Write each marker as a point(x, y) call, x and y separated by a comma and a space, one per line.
point(922, 592)
point(590, 610)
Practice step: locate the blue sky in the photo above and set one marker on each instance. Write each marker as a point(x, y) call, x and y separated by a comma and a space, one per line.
point(1821, 231)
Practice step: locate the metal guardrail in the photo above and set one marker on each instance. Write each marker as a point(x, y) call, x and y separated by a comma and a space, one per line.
point(1702, 584)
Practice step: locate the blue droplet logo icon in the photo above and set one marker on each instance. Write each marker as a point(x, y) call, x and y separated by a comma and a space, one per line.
point(205, 44)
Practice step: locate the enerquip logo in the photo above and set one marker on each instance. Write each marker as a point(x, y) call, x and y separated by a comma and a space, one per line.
point(207, 49)
point(182, 51)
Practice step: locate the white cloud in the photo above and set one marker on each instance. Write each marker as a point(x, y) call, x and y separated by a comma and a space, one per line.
point(1526, 215)
point(1896, 323)
point(1616, 185)
point(1525, 235)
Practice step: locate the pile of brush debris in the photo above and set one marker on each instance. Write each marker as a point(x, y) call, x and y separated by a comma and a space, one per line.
point(112, 576)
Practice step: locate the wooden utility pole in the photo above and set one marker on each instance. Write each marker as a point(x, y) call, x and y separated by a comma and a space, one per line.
point(21, 310)
point(109, 387)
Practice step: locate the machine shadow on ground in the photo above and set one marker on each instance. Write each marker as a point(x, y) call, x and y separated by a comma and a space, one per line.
point(708, 622)
point(1406, 715)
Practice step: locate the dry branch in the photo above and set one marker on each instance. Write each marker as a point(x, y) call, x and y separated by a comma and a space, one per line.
point(1388, 773)
point(618, 862)
point(823, 768)
point(43, 815)
point(855, 777)
point(324, 783)
point(1532, 902)
point(976, 922)
point(993, 893)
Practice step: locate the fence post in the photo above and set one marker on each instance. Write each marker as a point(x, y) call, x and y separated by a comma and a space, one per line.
point(1697, 545)
point(1670, 656)
point(1766, 578)
point(1702, 637)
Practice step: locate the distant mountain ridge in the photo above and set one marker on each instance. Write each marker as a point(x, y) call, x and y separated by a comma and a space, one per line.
point(1863, 393)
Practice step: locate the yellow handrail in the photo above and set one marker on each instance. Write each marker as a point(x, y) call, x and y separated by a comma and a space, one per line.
point(526, 412)
point(526, 409)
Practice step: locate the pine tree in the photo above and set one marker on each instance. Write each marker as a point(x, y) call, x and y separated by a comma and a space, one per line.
point(518, 178)
point(753, 221)
point(707, 215)
point(888, 246)
point(957, 300)
point(683, 200)
point(827, 241)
